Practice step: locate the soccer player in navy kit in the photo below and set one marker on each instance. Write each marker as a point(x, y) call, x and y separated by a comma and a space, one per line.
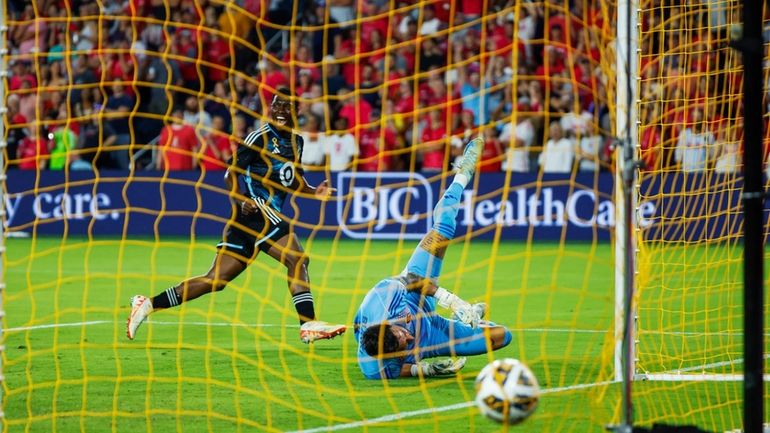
point(268, 163)
point(397, 326)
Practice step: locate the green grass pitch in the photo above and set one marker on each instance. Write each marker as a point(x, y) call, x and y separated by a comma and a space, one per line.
point(232, 361)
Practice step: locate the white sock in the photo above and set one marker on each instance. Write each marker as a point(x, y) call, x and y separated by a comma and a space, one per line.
point(461, 179)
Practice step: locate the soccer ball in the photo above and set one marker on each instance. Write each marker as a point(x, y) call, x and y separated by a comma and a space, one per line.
point(507, 391)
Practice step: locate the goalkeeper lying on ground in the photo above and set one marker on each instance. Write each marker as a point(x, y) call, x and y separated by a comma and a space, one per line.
point(397, 327)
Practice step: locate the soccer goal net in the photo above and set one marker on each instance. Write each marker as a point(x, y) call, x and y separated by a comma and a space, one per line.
point(120, 119)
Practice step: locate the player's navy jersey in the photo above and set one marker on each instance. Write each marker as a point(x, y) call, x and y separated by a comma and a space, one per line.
point(389, 301)
point(270, 163)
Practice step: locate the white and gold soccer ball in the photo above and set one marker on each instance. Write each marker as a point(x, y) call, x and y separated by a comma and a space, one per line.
point(507, 391)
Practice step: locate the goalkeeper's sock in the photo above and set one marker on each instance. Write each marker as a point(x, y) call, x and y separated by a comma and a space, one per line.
point(445, 212)
point(461, 179)
point(166, 299)
point(303, 303)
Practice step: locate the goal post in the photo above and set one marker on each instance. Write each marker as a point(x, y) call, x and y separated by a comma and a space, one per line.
point(686, 325)
point(626, 44)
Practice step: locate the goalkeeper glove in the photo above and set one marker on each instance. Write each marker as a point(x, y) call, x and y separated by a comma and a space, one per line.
point(464, 311)
point(441, 367)
point(480, 309)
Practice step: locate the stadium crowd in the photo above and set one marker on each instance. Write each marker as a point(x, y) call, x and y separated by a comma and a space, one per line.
point(399, 90)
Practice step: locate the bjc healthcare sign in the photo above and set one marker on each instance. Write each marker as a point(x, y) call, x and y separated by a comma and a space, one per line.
point(367, 206)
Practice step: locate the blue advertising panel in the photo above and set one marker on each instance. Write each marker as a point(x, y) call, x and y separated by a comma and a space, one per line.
point(371, 205)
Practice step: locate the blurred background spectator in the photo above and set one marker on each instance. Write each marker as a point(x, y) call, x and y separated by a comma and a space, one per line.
point(177, 144)
point(559, 151)
point(395, 91)
point(340, 145)
point(313, 152)
point(694, 150)
point(32, 151)
point(216, 147)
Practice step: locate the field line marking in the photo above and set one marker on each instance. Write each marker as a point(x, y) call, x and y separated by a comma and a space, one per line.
point(223, 324)
point(154, 322)
point(413, 413)
point(707, 366)
point(258, 325)
point(57, 325)
point(278, 325)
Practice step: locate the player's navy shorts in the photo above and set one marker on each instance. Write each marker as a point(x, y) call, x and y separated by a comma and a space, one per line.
point(249, 232)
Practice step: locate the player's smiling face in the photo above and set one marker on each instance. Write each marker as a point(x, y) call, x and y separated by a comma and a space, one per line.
point(281, 112)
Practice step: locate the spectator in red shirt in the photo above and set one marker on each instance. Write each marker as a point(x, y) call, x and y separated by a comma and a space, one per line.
point(437, 96)
point(377, 26)
point(121, 67)
point(586, 44)
point(303, 60)
point(217, 51)
point(20, 74)
point(552, 65)
point(471, 9)
point(444, 9)
point(355, 110)
point(492, 155)
point(304, 81)
point(585, 82)
point(272, 77)
point(185, 47)
point(29, 101)
point(33, 151)
point(650, 142)
point(15, 129)
point(405, 102)
point(177, 145)
point(593, 12)
point(535, 96)
point(395, 73)
point(377, 49)
point(466, 128)
point(216, 146)
point(559, 28)
point(350, 51)
point(375, 146)
point(433, 142)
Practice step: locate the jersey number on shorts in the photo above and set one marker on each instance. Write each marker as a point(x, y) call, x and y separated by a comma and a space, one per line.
point(286, 174)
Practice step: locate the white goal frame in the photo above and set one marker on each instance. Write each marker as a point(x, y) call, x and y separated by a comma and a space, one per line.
point(628, 78)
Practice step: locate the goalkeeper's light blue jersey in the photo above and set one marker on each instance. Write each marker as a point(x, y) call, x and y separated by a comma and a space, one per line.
point(389, 301)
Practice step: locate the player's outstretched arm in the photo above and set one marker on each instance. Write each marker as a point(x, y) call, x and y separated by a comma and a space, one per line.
point(322, 191)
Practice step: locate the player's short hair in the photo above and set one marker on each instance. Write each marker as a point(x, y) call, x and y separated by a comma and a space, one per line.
point(371, 340)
